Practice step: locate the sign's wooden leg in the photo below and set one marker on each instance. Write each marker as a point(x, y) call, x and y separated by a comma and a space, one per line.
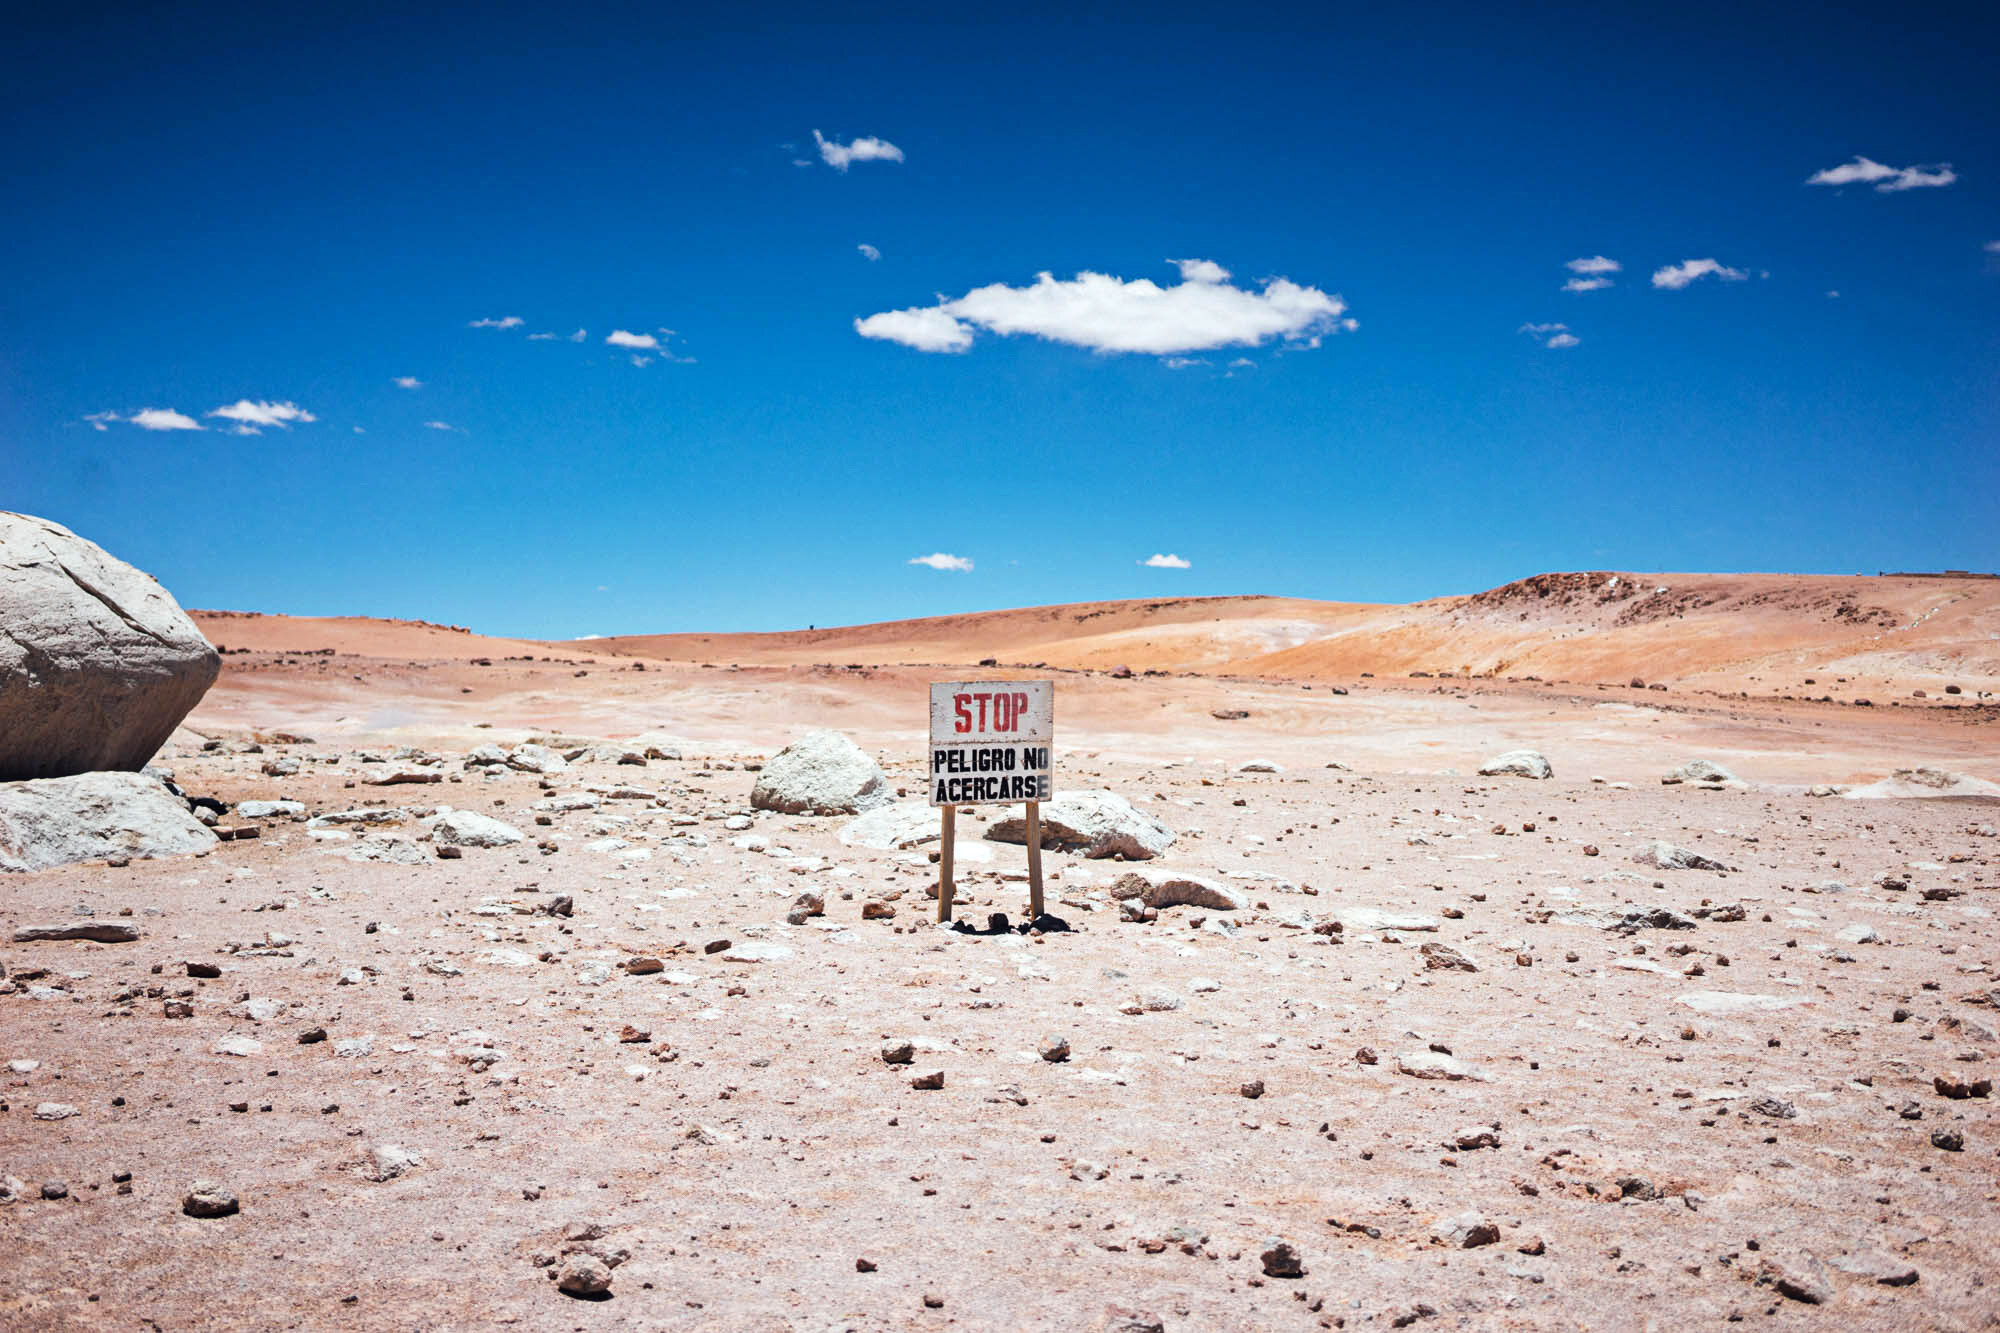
point(1034, 860)
point(944, 863)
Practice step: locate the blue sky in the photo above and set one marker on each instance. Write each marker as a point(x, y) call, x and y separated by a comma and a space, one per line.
point(274, 215)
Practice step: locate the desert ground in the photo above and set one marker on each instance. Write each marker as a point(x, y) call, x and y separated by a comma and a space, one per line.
point(1463, 1058)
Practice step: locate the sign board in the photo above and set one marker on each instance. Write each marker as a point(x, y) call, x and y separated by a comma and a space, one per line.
point(992, 741)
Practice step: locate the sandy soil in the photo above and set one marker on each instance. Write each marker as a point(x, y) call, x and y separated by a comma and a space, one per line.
point(1689, 1124)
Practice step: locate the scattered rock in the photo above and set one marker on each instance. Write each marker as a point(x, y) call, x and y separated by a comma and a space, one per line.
point(54, 1111)
point(103, 932)
point(1163, 888)
point(1700, 770)
point(1433, 1065)
point(821, 773)
point(584, 1275)
point(1444, 958)
point(464, 828)
point(1801, 1278)
point(1666, 856)
point(898, 1052)
point(1517, 764)
point(1467, 1230)
point(387, 1161)
point(1098, 824)
point(1280, 1258)
point(1055, 1048)
point(930, 1082)
point(205, 1198)
point(89, 817)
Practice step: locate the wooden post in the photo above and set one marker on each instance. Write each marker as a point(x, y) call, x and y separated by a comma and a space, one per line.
point(1034, 860)
point(944, 863)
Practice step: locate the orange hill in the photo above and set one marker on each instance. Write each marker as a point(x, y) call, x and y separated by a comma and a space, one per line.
point(1765, 632)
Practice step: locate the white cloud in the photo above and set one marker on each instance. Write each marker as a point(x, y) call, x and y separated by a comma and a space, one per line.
point(1833, 296)
point(926, 328)
point(1594, 264)
point(939, 560)
point(162, 418)
point(440, 425)
point(408, 382)
point(1992, 247)
point(1183, 362)
point(1557, 336)
point(1200, 270)
point(1166, 562)
point(251, 418)
point(839, 155)
point(1108, 314)
point(1673, 277)
point(644, 341)
point(97, 419)
point(641, 361)
point(510, 322)
point(1586, 284)
point(1886, 179)
point(869, 252)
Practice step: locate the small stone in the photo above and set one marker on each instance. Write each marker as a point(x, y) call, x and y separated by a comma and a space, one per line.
point(54, 1189)
point(643, 965)
point(1253, 1089)
point(312, 1036)
point(1802, 1279)
point(1468, 1230)
point(715, 946)
point(930, 1082)
point(1774, 1108)
point(177, 1009)
point(1877, 1267)
point(873, 910)
point(1366, 1055)
point(205, 1198)
point(1055, 1049)
point(898, 1052)
point(863, 1264)
point(1280, 1258)
point(54, 1111)
point(1444, 958)
point(208, 970)
point(933, 1301)
point(805, 907)
point(584, 1275)
point(1958, 1089)
point(1949, 1140)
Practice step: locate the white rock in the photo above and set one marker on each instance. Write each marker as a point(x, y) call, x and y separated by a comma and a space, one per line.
point(1666, 856)
point(388, 847)
point(1860, 933)
point(463, 828)
point(54, 1111)
point(388, 1161)
point(1435, 1065)
point(821, 773)
point(236, 1043)
point(1722, 1002)
point(91, 817)
point(532, 758)
point(1375, 918)
point(756, 951)
point(269, 809)
point(1700, 770)
point(1096, 823)
point(98, 663)
point(1165, 888)
point(1517, 764)
point(1260, 766)
point(895, 827)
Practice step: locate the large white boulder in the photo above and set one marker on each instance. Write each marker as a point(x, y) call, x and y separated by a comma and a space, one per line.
point(1517, 764)
point(821, 773)
point(98, 663)
point(1096, 823)
point(92, 817)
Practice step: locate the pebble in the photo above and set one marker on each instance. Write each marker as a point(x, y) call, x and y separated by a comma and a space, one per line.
point(898, 1052)
point(205, 1198)
point(584, 1275)
point(930, 1082)
point(1055, 1049)
point(1280, 1258)
point(54, 1111)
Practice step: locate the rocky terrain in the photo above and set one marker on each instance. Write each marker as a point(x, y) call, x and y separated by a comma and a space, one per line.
point(492, 996)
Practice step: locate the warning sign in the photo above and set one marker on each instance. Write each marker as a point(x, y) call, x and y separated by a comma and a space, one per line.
point(992, 741)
